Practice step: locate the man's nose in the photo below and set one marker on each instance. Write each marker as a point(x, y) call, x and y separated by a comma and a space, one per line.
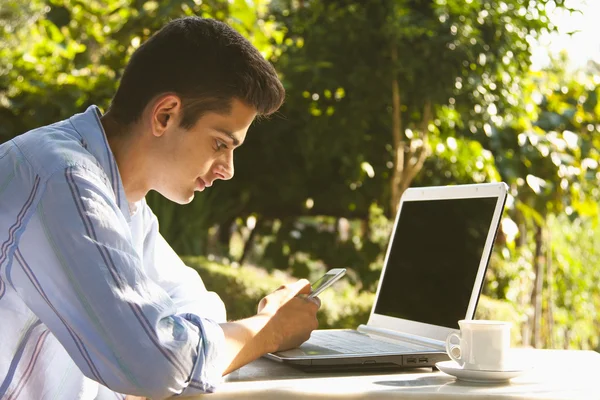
point(225, 170)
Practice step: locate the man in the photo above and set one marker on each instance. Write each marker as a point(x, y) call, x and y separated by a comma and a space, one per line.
point(93, 301)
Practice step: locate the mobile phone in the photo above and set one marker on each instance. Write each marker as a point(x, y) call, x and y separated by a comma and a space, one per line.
point(325, 281)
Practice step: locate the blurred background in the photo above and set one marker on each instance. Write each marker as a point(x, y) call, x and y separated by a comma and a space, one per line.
point(381, 96)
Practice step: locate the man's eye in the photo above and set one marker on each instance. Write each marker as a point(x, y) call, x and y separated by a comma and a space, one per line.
point(220, 145)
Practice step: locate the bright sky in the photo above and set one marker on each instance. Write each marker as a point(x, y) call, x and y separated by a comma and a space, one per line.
point(581, 46)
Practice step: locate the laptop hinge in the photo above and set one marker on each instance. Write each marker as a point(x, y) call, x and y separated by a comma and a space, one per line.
point(406, 337)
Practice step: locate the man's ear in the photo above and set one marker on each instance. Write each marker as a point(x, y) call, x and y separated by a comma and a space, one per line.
point(165, 113)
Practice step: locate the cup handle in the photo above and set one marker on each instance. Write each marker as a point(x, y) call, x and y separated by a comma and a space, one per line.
point(451, 348)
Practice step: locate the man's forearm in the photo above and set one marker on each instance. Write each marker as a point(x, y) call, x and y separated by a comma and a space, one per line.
point(246, 340)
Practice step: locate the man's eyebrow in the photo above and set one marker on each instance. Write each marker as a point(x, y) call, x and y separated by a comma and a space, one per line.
point(231, 136)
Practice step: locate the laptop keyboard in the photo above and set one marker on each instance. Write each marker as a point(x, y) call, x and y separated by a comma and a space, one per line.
point(352, 342)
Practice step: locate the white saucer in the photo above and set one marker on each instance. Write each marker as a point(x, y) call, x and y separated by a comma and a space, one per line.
point(472, 375)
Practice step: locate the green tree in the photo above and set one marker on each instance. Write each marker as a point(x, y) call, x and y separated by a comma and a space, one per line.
point(548, 154)
point(374, 88)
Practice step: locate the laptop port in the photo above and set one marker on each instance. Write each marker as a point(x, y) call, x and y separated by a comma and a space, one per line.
point(411, 360)
point(423, 360)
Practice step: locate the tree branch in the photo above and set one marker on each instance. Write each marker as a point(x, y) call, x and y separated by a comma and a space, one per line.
point(411, 169)
point(398, 143)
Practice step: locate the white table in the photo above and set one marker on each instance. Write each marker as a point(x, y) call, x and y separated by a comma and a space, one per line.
point(556, 374)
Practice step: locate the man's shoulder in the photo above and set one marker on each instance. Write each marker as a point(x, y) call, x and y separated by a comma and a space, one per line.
point(53, 148)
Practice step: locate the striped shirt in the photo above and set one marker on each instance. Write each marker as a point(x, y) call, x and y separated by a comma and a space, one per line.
point(93, 301)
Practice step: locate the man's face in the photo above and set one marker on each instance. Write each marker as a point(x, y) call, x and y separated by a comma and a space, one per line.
point(192, 160)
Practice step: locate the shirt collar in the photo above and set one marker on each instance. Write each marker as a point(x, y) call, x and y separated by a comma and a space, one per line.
point(94, 140)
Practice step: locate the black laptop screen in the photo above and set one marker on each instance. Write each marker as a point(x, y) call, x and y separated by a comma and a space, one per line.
point(434, 259)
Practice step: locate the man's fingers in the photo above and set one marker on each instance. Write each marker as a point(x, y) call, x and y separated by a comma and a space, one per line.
point(298, 288)
point(315, 300)
point(301, 287)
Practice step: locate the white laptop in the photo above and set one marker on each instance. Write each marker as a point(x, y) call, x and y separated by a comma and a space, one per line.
point(432, 277)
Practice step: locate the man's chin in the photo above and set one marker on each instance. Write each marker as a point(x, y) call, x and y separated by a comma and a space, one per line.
point(181, 199)
point(186, 201)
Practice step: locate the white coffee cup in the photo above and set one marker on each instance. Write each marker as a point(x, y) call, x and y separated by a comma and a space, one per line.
point(483, 345)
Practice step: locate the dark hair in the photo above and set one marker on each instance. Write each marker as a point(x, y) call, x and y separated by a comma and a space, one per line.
point(206, 63)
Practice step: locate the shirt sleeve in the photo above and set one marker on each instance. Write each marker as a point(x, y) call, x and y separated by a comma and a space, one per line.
point(182, 283)
point(83, 278)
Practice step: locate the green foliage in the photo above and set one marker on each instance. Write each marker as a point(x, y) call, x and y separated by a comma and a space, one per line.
point(458, 160)
point(466, 58)
point(548, 154)
point(573, 293)
point(548, 151)
point(335, 59)
point(309, 246)
point(242, 288)
point(571, 301)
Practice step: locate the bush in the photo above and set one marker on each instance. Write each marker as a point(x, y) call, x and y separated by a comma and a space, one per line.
point(241, 288)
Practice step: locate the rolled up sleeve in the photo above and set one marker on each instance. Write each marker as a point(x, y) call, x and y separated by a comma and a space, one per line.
point(206, 379)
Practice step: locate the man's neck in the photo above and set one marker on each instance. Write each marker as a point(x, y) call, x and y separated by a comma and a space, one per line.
point(126, 147)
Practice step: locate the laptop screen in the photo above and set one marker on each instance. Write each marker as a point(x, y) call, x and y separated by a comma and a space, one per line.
point(434, 259)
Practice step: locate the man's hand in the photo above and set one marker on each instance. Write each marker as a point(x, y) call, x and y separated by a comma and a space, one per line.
point(285, 320)
point(292, 316)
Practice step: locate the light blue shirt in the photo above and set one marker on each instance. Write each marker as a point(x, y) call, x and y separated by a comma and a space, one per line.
point(93, 301)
